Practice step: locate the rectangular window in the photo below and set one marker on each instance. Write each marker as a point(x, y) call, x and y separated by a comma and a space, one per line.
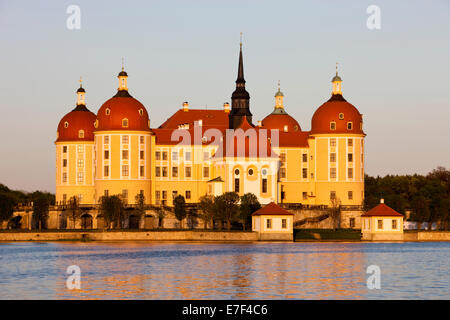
point(380, 224)
point(264, 185)
point(175, 172)
point(106, 154)
point(282, 172)
point(333, 142)
point(64, 162)
point(64, 149)
point(236, 185)
point(158, 195)
point(332, 195)
point(158, 155)
point(158, 171)
point(305, 195)
point(64, 176)
point(141, 155)
point(350, 142)
point(332, 125)
point(141, 171)
point(304, 157)
point(350, 173)
point(164, 195)
point(164, 155)
point(164, 171)
point(205, 172)
point(305, 173)
point(125, 194)
point(187, 172)
point(125, 171)
point(187, 156)
point(206, 156)
point(188, 194)
point(80, 163)
point(269, 223)
point(106, 171)
point(174, 194)
point(333, 157)
point(394, 224)
point(350, 195)
point(332, 173)
point(352, 222)
point(125, 139)
point(141, 139)
point(80, 148)
point(174, 156)
point(283, 223)
point(350, 157)
point(125, 154)
point(106, 139)
point(80, 177)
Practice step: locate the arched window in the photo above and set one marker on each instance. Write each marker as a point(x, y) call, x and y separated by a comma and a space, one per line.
point(332, 125)
point(125, 123)
point(349, 125)
point(107, 111)
point(81, 134)
point(341, 116)
point(66, 124)
point(141, 112)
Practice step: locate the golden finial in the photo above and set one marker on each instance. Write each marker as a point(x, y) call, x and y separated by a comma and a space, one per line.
point(336, 68)
point(240, 43)
point(122, 63)
point(81, 81)
point(278, 85)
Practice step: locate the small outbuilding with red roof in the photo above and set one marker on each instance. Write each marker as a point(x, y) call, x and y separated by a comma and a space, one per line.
point(272, 222)
point(382, 223)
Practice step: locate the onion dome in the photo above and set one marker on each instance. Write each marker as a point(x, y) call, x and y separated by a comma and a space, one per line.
point(337, 115)
point(77, 125)
point(279, 118)
point(122, 112)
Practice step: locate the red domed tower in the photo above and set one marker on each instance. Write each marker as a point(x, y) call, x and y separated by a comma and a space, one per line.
point(123, 139)
point(74, 154)
point(338, 138)
point(279, 118)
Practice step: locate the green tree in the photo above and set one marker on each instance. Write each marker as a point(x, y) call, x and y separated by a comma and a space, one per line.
point(249, 204)
point(226, 207)
point(206, 210)
point(6, 207)
point(180, 208)
point(161, 214)
point(139, 209)
point(40, 209)
point(73, 210)
point(112, 209)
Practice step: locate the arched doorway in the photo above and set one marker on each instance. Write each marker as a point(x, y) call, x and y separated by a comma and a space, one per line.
point(86, 221)
point(134, 222)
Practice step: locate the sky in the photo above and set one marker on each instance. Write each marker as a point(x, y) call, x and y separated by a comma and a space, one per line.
point(397, 76)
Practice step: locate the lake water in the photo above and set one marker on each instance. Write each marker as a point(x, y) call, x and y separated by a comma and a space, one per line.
point(150, 270)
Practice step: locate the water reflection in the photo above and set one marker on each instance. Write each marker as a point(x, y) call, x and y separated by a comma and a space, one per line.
point(224, 271)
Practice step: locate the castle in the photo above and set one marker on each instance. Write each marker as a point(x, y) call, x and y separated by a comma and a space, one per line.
point(203, 151)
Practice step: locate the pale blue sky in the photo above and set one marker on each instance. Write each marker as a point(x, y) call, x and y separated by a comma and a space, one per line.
point(175, 51)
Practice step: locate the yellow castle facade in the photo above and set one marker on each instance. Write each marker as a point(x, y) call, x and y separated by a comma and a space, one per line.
point(211, 151)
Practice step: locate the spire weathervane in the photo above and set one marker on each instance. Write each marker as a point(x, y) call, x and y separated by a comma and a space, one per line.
point(240, 43)
point(122, 63)
point(81, 82)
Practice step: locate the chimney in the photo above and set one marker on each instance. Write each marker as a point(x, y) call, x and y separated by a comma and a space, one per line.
point(226, 107)
point(185, 106)
point(381, 200)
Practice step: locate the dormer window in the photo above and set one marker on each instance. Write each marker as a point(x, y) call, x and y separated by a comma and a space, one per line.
point(332, 125)
point(141, 112)
point(66, 124)
point(125, 123)
point(107, 111)
point(349, 125)
point(341, 116)
point(81, 134)
point(285, 128)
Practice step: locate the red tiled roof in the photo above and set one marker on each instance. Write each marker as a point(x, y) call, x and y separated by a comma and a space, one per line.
point(211, 118)
point(382, 210)
point(272, 209)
